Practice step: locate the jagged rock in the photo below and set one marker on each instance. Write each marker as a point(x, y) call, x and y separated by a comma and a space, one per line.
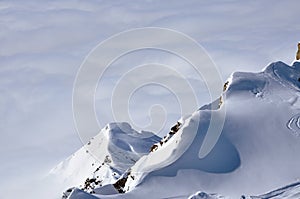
point(298, 52)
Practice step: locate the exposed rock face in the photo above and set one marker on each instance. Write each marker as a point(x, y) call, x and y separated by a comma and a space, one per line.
point(298, 52)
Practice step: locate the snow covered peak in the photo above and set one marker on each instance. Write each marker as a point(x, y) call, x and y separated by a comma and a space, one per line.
point(123, 137)
point(285, 73)
point(277, 83)
point(105, 157)
point(279, 74)
point(258, 150)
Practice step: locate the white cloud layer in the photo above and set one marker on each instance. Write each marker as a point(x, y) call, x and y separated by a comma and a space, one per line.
point(42, 44)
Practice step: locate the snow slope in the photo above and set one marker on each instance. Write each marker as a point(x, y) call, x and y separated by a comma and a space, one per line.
point(105, 157)
point(291, 191)
point(259, 142)
point(258, 150)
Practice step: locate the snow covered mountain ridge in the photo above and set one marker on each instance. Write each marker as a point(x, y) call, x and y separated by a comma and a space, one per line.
point(105, 157)
point(258, 150)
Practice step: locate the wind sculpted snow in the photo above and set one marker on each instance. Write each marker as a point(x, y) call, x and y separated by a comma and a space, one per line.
point(258, 150)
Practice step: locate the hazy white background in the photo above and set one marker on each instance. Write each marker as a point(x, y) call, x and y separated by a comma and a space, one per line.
point(42, 44)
